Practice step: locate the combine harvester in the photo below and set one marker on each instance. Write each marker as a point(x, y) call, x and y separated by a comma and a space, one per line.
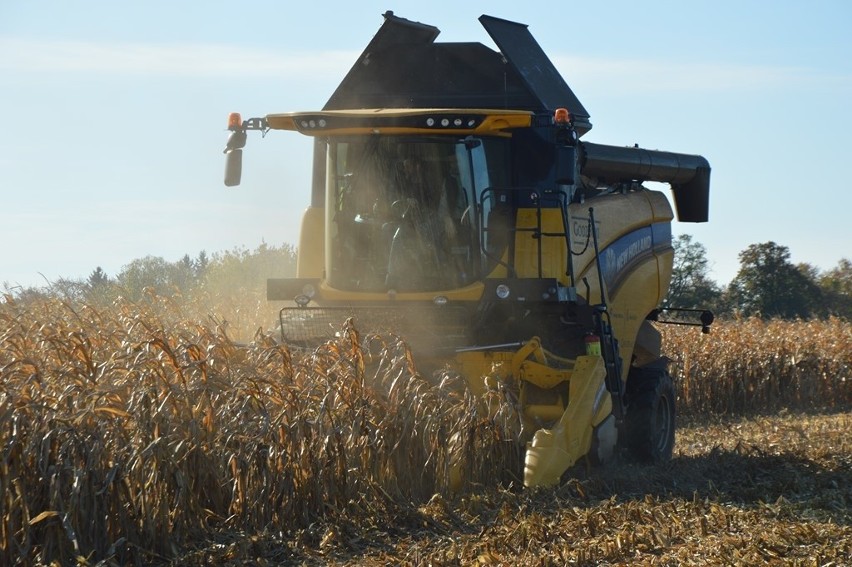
point(454, 203)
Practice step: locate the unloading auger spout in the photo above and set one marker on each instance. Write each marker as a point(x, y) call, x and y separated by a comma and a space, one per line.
point(688, 175)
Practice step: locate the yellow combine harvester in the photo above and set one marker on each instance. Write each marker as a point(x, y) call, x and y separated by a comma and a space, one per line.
point(454, 203)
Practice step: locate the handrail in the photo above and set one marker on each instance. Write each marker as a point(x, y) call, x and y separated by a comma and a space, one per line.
point(558, 198)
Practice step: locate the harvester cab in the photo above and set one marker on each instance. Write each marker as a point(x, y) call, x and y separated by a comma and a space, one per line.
point(455, 203)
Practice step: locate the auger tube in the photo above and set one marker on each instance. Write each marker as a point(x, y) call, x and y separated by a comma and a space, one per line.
point(689, 175)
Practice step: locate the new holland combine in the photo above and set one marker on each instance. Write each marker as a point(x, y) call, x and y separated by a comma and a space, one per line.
point(455, 203)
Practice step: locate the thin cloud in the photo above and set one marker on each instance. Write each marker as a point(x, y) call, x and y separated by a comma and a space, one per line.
point(199, 60)
point(218, 60)
point(652, 76)
point(117, 212)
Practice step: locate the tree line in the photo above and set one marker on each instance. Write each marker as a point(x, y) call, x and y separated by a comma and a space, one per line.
point(233, 272)
point(767, 284)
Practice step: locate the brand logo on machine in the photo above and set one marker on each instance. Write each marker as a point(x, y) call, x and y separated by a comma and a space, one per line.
point(609, 263)
point(580, 227)
point(619, 255)
point(642, 244)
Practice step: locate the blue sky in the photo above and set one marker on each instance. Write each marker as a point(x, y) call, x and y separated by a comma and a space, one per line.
point(115, 115)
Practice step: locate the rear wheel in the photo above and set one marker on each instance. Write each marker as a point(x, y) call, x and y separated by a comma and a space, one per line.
point(650, 423)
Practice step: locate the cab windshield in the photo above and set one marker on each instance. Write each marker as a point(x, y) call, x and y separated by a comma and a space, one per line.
point(402, 213)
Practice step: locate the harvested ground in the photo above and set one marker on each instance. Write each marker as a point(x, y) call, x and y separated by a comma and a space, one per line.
point(768, 490)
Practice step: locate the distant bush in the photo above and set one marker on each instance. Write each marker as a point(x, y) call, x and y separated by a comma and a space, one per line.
point(228, 287)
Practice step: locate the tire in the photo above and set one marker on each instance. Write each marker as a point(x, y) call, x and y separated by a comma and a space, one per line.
point(650, 422)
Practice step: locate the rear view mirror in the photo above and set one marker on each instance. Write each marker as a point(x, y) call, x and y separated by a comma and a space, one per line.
point(234, 158)
point(233, 167)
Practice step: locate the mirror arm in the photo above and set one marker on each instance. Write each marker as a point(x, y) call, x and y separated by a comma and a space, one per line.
point(255, 124)
point(237, 139)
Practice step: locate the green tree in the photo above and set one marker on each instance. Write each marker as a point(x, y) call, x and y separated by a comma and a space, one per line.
point(836, 285)
point(98, 279)
point(769, 285)
point(70, 289)
point(99, 287)
point(246, 270)
point(182, 274)
point(691, 286)
point(200, 265)
point(149, 272)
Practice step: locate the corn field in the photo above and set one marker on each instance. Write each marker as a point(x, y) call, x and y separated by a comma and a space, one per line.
point(761, 366)
point(135, 434)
